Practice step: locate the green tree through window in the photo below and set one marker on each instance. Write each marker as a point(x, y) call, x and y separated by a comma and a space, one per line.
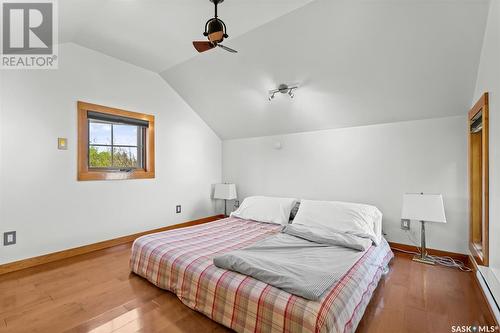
point(99, 159)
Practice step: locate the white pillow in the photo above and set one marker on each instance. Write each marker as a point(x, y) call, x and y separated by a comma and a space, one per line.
point(352, 218)
point(265, 209)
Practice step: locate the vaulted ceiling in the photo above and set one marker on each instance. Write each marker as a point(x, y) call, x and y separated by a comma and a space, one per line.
point(157, 34)
point(357, 62)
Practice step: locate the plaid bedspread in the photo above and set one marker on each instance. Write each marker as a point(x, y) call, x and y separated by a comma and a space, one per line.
point(181, 261)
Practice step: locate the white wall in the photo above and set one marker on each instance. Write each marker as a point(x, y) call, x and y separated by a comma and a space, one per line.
point(488, 80)
point(372, 164)
point(42, 199)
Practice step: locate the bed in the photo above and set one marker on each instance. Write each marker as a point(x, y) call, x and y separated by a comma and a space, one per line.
point(181, 261)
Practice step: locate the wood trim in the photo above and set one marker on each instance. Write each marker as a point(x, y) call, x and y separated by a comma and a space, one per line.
point(457, 256)
point(43, 259)
point(83, 171)
point(483, 100)
point(480, 254)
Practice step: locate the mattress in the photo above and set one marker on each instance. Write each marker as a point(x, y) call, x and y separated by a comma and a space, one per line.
point(181, 261)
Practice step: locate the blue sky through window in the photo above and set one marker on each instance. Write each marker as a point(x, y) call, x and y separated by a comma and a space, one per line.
point(125, 135)
point(100, 133)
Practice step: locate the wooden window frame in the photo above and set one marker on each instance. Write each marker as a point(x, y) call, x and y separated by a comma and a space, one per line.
point(480, 255)
point(84, 173)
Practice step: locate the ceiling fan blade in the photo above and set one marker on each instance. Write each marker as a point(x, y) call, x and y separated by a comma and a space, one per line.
point(202, 46)
point(227, 48)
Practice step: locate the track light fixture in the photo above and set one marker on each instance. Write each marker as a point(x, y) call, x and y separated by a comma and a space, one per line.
point(284, 89)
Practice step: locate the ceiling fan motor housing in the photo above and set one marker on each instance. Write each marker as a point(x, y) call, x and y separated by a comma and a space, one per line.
point(215, 30)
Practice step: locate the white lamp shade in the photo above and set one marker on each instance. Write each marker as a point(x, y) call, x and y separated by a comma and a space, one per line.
point(423, 207)
point(225, 191)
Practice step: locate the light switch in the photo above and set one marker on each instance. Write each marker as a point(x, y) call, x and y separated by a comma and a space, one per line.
point(62, 143)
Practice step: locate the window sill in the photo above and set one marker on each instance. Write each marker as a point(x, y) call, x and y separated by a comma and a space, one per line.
point(113, 175)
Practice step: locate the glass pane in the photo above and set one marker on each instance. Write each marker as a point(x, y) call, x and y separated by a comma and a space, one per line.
point(125, 157)
point(99, 157)
point(99, 133)
point(125, 135)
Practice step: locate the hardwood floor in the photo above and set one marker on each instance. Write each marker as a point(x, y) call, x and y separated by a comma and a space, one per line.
point(96, 293)
point(416, 297)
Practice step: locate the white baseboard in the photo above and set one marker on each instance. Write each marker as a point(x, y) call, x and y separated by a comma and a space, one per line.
point(488, 279)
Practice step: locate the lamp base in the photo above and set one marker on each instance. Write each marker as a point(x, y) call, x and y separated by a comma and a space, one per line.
point(424, 260)
point(422, 257)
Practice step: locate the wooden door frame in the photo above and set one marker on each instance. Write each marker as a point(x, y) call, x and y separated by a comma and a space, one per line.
point(480, 256)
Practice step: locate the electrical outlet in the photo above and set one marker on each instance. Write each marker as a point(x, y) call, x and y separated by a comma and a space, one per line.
point(9, 238)
point(236, 203)
point(178, 209)
point(405, 224)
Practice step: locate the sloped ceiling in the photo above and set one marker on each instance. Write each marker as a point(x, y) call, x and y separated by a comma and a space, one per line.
point(157, 34)
point(357, 62)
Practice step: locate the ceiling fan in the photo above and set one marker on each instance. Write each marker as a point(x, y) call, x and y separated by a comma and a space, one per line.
point(215, 31)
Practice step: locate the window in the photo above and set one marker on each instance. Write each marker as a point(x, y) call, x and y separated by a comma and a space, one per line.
point(114, 144)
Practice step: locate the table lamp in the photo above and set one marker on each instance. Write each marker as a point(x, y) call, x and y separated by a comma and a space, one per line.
point(424, 208)
point(225, 192)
